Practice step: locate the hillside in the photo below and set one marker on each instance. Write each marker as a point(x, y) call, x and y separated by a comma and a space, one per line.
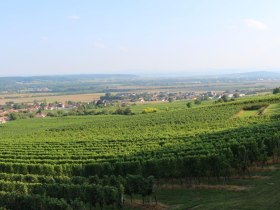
point(67, 154)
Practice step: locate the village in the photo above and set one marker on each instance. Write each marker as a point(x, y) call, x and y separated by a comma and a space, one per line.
point(169, 97)
point(40, 109)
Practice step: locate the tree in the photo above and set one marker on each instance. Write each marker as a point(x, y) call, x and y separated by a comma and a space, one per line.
point(205, 98)
point(13, 116)
point(276, 90)
point(197, 101)
point(225, 98)
point(42, 106)
point(170, 99)
point(127, 111)
point(236, 95)
point(189, 104)
point(39, 111)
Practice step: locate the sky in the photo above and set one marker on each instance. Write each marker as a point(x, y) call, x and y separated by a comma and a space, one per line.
point(138, 36)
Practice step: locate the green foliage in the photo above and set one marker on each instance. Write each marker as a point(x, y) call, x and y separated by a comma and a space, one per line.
point(259, 193)
point(276, 90)
point(255, 106)
point(13, 116)
point(170, 99)
point(197, 101)
point(87, 161)
point(225, 98)
point(189, 104)
point(125, 111)
point(149, 110)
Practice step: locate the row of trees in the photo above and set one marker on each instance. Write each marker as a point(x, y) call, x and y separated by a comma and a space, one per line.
point(83, 111)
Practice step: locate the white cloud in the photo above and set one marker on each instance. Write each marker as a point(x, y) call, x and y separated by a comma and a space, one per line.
point(74, 17)
point(99, 45)
point(255, 24)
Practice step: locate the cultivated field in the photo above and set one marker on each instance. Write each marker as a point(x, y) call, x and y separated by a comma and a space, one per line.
point(82, 162)
point(273, 109)
point(30, 98)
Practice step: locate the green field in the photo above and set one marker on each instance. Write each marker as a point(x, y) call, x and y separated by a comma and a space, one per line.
point(166, 106)
point(78, 162)
point(273, 109)
point(247, 113)
point(260, 191)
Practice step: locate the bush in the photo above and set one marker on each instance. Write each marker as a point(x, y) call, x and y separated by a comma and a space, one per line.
point(52, 114)
point(149, 110)
point(189, 104)
point(13, 116)
point(197, 102)
point(126, 111)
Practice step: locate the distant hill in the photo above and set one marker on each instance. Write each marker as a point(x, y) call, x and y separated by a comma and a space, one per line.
point(63, 83)
point(67, 77)
point(253, 75)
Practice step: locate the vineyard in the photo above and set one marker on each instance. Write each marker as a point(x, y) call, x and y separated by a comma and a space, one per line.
point(85, 162)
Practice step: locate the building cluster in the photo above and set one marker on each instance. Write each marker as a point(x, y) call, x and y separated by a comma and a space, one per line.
point(27, 108)
point(169, 96)
point(108, 99)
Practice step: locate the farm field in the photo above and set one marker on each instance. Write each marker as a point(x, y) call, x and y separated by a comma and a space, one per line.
point(260, 191)
point(166, 106)
point(29, 98)
point(85, 162)
point(247, 113)
point(273, 109)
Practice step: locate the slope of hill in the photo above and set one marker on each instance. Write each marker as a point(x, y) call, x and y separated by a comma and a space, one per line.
point(80, 158)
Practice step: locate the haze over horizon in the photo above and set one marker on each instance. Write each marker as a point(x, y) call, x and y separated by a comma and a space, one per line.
point(134, 37)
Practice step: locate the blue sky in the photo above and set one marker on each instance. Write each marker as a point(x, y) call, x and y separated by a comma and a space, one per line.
point(138, 36)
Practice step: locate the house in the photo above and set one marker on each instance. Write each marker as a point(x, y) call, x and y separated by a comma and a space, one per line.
point(3, 120)
point(40, 115)
point(60, 105)
point(31, 109)
point(141, 99)
point(37, 107)
point(49, 107)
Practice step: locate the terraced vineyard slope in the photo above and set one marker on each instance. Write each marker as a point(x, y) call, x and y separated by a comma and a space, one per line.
point(82, 162)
